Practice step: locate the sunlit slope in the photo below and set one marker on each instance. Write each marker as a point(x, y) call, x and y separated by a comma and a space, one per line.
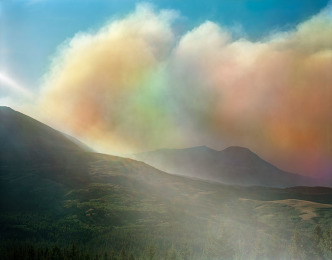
point(233, 165)
point(101, 201)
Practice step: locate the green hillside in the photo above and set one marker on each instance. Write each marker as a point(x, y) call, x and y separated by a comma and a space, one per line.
point(129, 209)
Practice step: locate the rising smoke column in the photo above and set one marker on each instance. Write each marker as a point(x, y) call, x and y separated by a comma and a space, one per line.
point(136, 84)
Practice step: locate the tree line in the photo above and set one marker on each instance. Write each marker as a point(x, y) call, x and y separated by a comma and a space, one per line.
point(317, 245)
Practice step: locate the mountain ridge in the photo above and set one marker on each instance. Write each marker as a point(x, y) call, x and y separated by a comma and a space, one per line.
point(32, 141)
point(233, 165)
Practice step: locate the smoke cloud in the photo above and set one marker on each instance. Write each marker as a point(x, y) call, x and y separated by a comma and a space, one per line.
point(137, 84)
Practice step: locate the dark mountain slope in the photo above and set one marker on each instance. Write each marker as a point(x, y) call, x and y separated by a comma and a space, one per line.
point(234, 165)
point(25, 140)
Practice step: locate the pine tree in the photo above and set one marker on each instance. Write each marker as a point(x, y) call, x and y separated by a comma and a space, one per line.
point(150, 252)
point(296, 247)
point(172, 254)
point(123, 255)
point(56, 253)
point(185, 252)
point(31, 252)
point(112, 255)
point(73, 252)
point(317, 242)
point(106, 256)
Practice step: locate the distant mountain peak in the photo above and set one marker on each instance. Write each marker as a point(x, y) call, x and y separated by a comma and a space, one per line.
point(237, 149)
point(201, 148)
point(233, 165)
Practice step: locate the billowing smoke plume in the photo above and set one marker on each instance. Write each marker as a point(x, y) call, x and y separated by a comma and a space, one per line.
point(136, 84)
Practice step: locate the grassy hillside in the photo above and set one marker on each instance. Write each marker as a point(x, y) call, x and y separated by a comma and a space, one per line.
point(127, 208)
point(122, 203)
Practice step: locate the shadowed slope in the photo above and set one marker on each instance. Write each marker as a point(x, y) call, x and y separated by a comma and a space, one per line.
point(25, 140)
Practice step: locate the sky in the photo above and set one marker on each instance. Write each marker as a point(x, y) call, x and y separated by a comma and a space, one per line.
point(127, 76)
